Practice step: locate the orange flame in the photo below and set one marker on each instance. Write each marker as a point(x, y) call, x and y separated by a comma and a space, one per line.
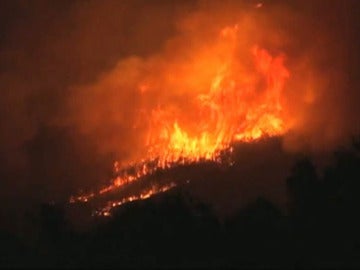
point(226, 102)
point(233, 107)
point(106, 210)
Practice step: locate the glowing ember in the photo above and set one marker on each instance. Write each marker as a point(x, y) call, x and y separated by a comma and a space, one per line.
point(231, 103)
point(106, 211)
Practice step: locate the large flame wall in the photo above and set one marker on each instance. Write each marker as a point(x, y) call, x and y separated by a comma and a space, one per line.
point(206, 88)
point(86, 83)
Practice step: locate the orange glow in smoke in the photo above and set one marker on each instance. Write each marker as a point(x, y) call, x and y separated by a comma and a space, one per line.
point(231, 106)
point(226, 101)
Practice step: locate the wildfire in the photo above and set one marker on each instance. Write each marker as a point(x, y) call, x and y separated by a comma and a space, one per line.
point(147, 193)
point(226, 102)
point(241, 107)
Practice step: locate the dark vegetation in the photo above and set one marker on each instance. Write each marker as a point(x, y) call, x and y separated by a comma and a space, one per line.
point(321, 229)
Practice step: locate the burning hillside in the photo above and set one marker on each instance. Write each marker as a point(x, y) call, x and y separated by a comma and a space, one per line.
point(124, 103)
point(215, 83)
point(220, 100)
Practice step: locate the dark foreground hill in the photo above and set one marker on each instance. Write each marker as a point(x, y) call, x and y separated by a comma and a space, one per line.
point(321, 229)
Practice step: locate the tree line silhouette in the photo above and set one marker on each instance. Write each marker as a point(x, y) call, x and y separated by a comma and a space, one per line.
point(321, 229)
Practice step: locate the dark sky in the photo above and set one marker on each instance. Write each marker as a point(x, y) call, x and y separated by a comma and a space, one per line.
point(50, 48)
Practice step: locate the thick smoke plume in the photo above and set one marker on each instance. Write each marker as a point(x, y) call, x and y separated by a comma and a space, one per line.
point(74, 77)
point(116, 109)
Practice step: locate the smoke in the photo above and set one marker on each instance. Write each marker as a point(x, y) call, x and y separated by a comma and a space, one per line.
point(45, 49)
point(322, 92)
point(115, 109)
point(79, 79)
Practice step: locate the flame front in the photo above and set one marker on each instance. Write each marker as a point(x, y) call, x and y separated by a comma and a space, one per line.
point(233, 105)
point(220, 100)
